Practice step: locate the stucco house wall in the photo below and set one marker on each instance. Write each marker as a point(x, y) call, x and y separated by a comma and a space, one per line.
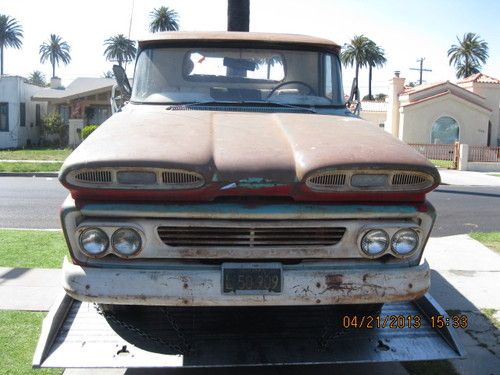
point(377, 118)
point(14, 91)
point(375, 112)
point(491, 93)
point(416, 120)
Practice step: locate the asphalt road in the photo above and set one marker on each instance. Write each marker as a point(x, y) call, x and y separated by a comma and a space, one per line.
point(463, 209)
point(30, 202)
point(27, 202)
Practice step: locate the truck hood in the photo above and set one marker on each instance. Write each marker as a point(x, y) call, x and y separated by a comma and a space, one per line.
point(232, 146)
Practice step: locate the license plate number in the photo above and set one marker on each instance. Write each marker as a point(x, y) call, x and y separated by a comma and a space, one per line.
point(251, 278)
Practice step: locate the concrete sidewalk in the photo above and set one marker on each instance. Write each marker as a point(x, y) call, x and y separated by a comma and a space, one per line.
point(467, 178)
point(33, 289)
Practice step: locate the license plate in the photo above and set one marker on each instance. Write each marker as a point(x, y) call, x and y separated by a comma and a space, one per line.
point(251, 278)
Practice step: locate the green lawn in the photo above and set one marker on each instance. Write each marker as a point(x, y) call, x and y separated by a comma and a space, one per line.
point(490, 239)
point(19, 332)
point(29, 167)
point(495, 174)
point(30, 248)
point(442, 163)
point(35, 154)
point(490, 314)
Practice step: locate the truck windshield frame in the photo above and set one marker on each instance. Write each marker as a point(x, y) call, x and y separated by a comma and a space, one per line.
point(203, 74)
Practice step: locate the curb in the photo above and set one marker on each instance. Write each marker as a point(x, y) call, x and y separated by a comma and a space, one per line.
point(29, 174)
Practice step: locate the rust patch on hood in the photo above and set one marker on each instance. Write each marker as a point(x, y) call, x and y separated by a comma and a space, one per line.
point(281, 146)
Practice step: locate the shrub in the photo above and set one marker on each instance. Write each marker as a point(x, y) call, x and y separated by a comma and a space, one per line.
point(88, 129)
point(53, 124)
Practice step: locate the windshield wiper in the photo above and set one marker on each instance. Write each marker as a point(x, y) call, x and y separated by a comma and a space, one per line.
point(245, 102)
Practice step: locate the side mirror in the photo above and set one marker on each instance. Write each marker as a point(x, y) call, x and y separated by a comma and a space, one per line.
point(122, 82)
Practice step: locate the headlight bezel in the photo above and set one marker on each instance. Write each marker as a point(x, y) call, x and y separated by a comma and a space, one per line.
point(371, 232)
point(109, 230)
point(409, 253)
point(124, 255)
point(82, 246)
point(391, 230)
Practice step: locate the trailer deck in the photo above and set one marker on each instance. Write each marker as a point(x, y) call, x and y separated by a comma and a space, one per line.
point(83, 335)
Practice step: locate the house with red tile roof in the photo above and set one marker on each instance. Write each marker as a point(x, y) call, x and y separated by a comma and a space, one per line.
point(445, 112)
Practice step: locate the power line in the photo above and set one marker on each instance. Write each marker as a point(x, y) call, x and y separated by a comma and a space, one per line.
point(421, 69)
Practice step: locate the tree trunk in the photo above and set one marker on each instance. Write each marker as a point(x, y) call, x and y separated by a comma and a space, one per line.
point(357, 76)
point(238, 15)
point(1, 60)
point(370, 97)
point(53, 62)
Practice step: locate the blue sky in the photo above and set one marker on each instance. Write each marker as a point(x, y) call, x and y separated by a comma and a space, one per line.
point(407, 30)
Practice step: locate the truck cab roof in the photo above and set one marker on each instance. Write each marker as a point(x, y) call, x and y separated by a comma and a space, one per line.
point(177, 37)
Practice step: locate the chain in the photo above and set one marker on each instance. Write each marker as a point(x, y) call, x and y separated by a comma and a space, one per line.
point(175, 327)
point(183, 348)
point(327, 335)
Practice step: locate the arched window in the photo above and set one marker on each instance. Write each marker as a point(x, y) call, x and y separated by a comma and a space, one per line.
point(444, 130)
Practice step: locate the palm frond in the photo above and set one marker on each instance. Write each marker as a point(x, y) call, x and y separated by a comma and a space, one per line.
point(163, 19)
point(119, 48)
point(11, 32)
point(468, 54)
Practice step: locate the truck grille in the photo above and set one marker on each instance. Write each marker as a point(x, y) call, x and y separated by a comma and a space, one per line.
point(407, 179)
point(185, 178)
point(327, 180)
point(94, 176)
point(249, 236)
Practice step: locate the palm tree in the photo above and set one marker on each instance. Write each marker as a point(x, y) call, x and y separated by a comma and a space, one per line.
point(11, 34)
point(163, 19)
point(355, 53)
point(238, 15)
point(464, 71)
point(375, 57)
point(55, 50)
point(119, 48)
point(468, 55)
point(37, 78)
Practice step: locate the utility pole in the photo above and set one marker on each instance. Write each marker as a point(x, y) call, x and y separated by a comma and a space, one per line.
point(421, 69)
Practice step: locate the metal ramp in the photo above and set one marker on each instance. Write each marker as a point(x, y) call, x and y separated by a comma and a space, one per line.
point(77, 335)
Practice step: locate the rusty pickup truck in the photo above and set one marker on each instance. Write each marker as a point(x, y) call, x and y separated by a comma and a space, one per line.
point(233, 212)
point(234, 175)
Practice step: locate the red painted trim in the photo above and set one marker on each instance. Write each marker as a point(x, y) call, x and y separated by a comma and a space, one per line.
point(298, 192)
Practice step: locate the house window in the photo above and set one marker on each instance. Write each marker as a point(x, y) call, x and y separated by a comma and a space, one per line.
point(38, 117)
point(64, 112)
point(4, 117)
point(22, 114)
point(444, 131)
point(96, 115)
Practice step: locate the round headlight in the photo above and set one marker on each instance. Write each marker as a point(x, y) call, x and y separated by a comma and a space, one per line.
point(404, 241)
point(375, 242)
point(94, 241)
point(126, 241)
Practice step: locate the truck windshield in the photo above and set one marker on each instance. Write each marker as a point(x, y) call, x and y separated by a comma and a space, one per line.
point(198, 75)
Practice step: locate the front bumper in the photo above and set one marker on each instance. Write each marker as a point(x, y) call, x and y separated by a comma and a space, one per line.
point(200, 285)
